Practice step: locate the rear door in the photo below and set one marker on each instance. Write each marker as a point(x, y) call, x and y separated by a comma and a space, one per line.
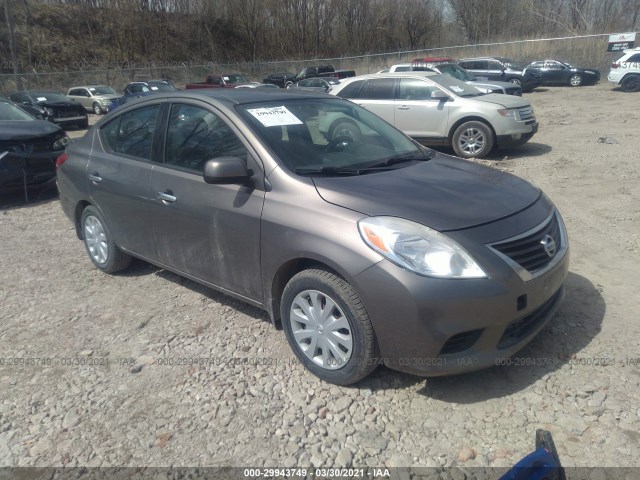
point(416, 113)
point(494, 70)
point(119, 172)
point(378, 96)
point(210, 232)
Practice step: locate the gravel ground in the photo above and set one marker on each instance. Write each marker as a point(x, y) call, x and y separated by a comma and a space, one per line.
point(148, 369)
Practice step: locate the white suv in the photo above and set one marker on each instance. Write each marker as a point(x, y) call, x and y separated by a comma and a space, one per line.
point(436, 109)
point(626, 71)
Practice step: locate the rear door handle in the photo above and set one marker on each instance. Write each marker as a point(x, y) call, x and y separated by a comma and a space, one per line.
point(166, 198)
point(95, 178)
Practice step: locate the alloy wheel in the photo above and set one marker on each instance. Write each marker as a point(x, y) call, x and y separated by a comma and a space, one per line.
point(96, 239)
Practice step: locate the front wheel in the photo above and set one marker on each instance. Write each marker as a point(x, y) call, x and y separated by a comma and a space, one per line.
point(515, 81)
point(472, 140)
point(631, 83)
point(288, 85)
point(575, 80)
point(102, 250)
point(328, 328)
point(97, 109)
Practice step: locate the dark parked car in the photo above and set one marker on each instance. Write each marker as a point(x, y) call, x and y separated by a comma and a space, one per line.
point(28, 148)
point(280, 79)
point(57, 107)
point(553, 72)
point(504, 69)
point(318, 84)
point(153, 86)
point(367, 250)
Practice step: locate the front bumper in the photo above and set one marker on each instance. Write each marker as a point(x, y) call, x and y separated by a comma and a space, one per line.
point(517, 139)
point(434, 327)
point(22, 169)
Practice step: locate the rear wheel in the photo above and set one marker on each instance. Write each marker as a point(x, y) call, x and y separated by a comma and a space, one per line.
point(575, 80)
point(102, 250)
point(517, 81)
point(328, 328)
point(472, 140)
point(630, 83)
point(346, 130)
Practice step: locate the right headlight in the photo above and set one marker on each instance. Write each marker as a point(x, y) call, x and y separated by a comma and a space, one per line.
point(418, 248)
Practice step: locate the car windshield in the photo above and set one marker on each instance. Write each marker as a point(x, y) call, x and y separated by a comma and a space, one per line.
point(49, 97)
point(456, 86)
point(511, 64)
point(329, 136)
point(235, 78)
point(9, 112)
point(102, 90)
point(161, 87)
point(455, 71)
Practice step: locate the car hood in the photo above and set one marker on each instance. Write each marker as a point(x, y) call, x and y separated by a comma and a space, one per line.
point(109, 96)
point(26, 130)
point(444, 193)
point(507, 101)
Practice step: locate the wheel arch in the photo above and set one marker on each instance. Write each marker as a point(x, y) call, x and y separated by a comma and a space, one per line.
point(286, 272)
point(80, 206)
point(472, 118)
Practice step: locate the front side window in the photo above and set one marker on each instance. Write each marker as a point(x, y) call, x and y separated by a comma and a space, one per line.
point(132, 133)
point(195, 135)
point(414, 89)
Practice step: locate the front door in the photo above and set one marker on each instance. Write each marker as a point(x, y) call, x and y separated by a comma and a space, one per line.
point(211, 232)
point(417, 114)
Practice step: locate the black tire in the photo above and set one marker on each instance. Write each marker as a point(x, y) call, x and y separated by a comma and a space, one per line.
point(97, 109)
point(364, 356)
point(84, 124)
point(115, 259)
point(472, 140)
point(630, 83)
point(344, 129)
point(575, 80)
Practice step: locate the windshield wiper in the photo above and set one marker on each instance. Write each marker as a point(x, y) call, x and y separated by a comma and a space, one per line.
point(327, 171)
point(387, 162)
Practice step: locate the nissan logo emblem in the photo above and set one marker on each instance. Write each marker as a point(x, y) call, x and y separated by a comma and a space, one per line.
point(549, 245)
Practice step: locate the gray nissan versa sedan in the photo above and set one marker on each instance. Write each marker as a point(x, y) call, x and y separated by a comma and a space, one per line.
point(368, 249)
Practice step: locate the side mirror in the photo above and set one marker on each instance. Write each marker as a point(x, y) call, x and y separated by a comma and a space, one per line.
point(439, 95)
point(225, 170)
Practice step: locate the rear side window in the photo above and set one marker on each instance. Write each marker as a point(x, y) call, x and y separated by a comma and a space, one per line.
point(377, 89)
point(351, 90)
point(132, 133)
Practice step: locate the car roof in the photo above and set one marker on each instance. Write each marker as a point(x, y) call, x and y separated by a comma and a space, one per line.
point(89, 86)
point(32, 92)
point(232, 96)
point(413, 73)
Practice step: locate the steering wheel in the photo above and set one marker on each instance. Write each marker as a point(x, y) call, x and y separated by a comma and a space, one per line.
point(339, 143)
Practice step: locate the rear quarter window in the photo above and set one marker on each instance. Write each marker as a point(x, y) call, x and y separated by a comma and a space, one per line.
point(351, 90)
point(377, 89)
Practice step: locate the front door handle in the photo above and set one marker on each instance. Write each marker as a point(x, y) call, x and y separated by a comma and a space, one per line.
point(404, 107)
point(166, 198)
point(95, 178)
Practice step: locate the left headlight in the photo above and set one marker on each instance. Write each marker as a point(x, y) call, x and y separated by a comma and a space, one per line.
point(418, 248)
point(61, 143)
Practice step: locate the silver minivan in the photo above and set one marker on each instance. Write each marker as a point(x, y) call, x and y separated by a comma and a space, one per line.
point(437, 110)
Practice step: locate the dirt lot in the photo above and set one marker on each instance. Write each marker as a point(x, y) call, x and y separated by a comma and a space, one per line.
point(119, 385)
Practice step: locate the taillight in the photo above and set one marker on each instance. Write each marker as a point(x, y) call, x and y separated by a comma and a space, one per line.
point(615, 65)
point(61, 159)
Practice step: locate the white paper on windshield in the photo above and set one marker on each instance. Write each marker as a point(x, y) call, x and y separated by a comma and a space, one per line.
point(41, 99)
point(226, 79)
point(92, 89)
point(456, 88)
point(275, 116)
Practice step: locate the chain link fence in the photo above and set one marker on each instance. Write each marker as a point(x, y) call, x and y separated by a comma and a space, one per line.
point(585, 51)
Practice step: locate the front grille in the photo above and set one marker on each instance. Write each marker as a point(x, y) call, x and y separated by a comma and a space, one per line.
point(460, 342)
point(526, 114)
point(520, 329)
point(534, 251)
